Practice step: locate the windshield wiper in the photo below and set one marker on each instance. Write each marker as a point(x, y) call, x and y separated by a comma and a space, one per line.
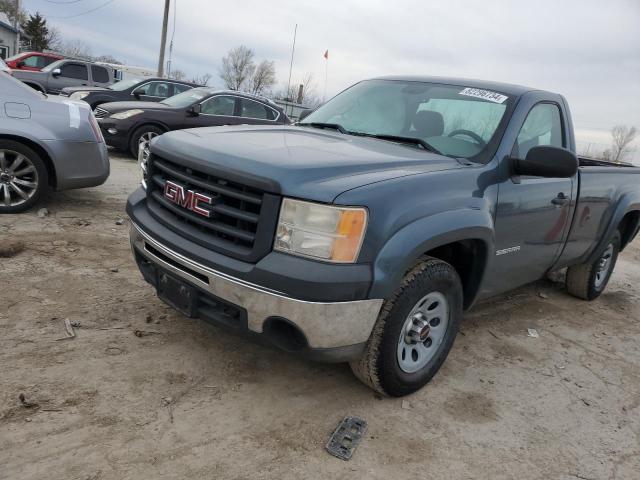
point(397, 138)
point(333, 126)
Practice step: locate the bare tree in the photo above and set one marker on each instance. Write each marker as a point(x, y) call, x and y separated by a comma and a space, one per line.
point(306, 96)
point(75, 49)
point(54, 39)
point(107, 59)
point(263, 78)
point(622, 136)
point(177, 74)
point(203, 79)
point(237, 68)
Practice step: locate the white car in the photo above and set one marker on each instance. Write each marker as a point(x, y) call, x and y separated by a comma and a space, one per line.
point(4, 67)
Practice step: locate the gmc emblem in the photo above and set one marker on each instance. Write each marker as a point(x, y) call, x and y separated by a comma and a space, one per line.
point(187, 198)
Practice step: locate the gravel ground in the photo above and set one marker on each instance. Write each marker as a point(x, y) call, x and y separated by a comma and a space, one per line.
point(188, 400)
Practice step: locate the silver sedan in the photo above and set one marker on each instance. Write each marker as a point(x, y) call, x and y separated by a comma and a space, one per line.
point(45, 142)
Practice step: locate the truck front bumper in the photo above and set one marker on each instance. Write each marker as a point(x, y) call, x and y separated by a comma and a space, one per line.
point(331, 331)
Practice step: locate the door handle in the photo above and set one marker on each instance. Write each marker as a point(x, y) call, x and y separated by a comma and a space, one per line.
point(560, 200)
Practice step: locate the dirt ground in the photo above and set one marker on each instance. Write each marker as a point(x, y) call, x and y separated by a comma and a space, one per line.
point(188, 400)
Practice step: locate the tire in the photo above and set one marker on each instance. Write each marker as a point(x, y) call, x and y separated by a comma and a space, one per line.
point(22, 184)
point(382, 366)
point(139, 133)
point(588, 280)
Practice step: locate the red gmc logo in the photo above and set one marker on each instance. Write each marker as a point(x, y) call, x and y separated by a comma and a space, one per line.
point(187, 198)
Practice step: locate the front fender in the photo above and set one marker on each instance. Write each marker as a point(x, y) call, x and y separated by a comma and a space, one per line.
point(401, 251)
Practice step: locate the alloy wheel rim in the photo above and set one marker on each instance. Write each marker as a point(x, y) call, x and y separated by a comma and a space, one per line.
point(18, 178)
point(604, 265)
point(423, 332)
point(143, 142)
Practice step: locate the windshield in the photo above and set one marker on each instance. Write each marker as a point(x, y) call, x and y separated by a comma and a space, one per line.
point(124, 84)
point(187, 98)
point(454, 120)
point(53, 65)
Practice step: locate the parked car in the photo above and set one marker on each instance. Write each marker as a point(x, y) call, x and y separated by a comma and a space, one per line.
point(148, 90)
point(4, 68)
point(362, 233)
point(45, 142)
point(126, 124)
point(67, 73)
point(32, 61)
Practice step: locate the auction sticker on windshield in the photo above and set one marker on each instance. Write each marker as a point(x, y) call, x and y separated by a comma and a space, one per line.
point(484, 94)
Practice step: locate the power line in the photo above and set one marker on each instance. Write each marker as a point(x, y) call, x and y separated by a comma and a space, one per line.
point(64, 3)
point(83, 13)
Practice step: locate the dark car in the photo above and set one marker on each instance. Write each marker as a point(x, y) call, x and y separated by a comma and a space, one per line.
point(148, 90)
point(126, 124)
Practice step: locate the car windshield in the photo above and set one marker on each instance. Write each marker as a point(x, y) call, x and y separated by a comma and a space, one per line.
point(53, 65)
point(456, 121)
point(187, 98)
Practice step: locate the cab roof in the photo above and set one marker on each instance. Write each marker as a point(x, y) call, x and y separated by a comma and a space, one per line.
point(506, 88)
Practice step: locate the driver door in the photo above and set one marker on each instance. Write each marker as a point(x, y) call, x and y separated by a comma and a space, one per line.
point(533, 213)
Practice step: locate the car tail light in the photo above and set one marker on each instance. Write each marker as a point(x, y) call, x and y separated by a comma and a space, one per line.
point(95, 128)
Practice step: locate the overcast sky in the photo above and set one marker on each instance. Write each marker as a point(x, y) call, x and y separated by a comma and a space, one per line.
point(588, 50)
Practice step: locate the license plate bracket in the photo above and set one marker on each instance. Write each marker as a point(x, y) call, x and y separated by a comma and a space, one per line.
point(177, 294)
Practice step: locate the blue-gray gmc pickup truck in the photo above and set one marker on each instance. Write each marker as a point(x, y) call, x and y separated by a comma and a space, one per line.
point(362, 233)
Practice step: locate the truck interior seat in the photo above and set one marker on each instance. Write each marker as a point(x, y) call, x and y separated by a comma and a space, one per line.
point(428, 123)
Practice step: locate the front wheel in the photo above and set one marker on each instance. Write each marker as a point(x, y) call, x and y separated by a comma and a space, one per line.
point(414, 332)
point(142, 136)
point(588, 280)
point(23, 177)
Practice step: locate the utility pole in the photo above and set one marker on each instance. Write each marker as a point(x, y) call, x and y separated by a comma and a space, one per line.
point(163, 39)
point(16, 24)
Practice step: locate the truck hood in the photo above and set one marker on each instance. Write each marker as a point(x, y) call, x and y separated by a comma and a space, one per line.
point(299, 162)
point(114, 107)
point(29, 75)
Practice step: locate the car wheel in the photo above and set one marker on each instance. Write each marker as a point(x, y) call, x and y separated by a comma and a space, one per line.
point(588, 280)
point(143, 135)
point(414, 332)
point(23, 177)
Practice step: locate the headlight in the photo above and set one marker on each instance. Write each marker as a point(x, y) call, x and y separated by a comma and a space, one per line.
point(324, 232)
point(143, 157)
point(78, 95)
point(126, 114)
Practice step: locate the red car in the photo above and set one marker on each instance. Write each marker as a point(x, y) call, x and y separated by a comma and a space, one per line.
point(33, 61)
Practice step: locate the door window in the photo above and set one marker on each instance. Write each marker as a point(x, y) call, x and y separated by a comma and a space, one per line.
point(48, 60)
point(34, 61)
point(178, 88)
point(543, 126)
point(221, 105)
point(4, 52)
point(251, 109)
point(154, 89)
point(99, 74)
point(74, 70)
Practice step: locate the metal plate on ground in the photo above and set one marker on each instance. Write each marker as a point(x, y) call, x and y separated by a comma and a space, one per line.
point(346, 437)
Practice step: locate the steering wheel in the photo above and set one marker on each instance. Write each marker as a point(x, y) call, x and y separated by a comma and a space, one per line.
point(469, 133)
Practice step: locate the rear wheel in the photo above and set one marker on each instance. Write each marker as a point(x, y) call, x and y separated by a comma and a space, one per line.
point(143, 135)
point(414, 331)
point(588, 280)
point(23, 177)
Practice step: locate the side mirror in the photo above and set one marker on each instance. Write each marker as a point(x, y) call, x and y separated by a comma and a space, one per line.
point(304, 114)
point(56, 72)
point(196, 109)
point(21, 64)
point(136, 94)
point(547, 161)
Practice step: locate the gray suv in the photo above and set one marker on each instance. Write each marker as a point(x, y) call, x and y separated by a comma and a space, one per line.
point(45, 142)
point(67, 73)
